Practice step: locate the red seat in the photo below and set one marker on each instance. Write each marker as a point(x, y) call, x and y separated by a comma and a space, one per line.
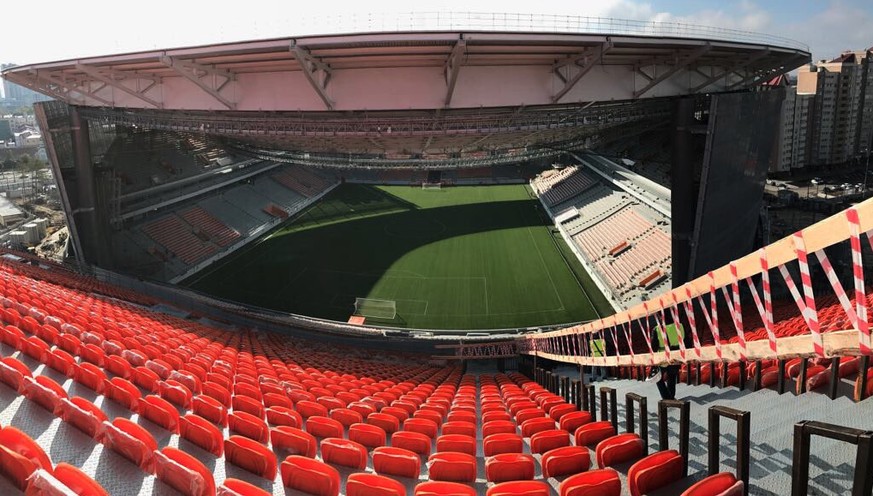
point(452, 467)
point(529, 413)
point(534, 425)
point(248, 405)
point(339, 451)
point(601, 482)
point(131, 441)
point(436, 417)
point(368, 435)
point(210, 408)
point(118, 366)
point(520, 488)
point(509, 467)
point(593, 433)
point(76, 481)
point(498, 427)
point(323, 427)
point(363, 484)
point(308, 409)
point(175, 392)
point(439, 488)
point(495, 416)
point(280, 415)
point(346, 417)
point(391, 460)
point(548, 440)
point(160, 412)
point(43, 391)
point(619, 449)
point(503, 442)
point(297, 441)
point(310, 476)
point(723, 484)
point(250, 455)
point(236, 487)
point(202, 433)
point(83, 415)
point(460, 427)
point(567, 460)
point(146, 379)
point(654, 471)
point(456, 442)
point(183, 472)
point(558, 411)
point(425, 426)
point(217, 392)
point(275, 399)
point(415, 442)
point(388, 423)
point(12, 372)
point(462, 416)
point(249, 426)
point(20, 456)
point(63, 362)
point(574, 420)
point(123, 392)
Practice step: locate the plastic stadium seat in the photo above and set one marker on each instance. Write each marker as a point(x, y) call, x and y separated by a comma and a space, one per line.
point(236, 487)
point(574, 420)
point(130, 441)
point(339, 451)
point(20, 456)
point(330, 402)
point(210, 409)
point(310, 476)
point(415, 442)
point(308, 409)
point(183, 472)
point(619, 449)
point(346, 417)
point(280, 415)
point(594, 432)
point(425, 426)
point(274, 399)
point(368, 435)
point(363, 484)
point(123, 392)
point(550, 402)
point(320, 426)
point(498, 427)
point(722, 484)
point(520, 488)
point(12, 372)
point(558, 411)
point(250, 455)
point(509, 467)
point(452, 467)
point(460, 427)
point(118, 366)
point(202, 433)
point(70, 477)
point(548, 440)
point(249, 426)
point(217, 392)
point(495, 416)
point(534, 425)
point(435, 488)
point(175, 392)
point(565, 461)
point(601, 482)
point(34, 348)
point(396, 412)
point(363, 408)
point(388, 423)
point(83, 415)
point(654, 471)
point(458, 443)
point(503, 442)
point(391, 460)
point(62, 362)
point(529, 413)
point(431, 415)
point(462, 416)
point(160, 412)
point(43, 391)
point(297, 441)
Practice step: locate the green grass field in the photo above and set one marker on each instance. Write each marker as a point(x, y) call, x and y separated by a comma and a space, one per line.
point(462, 257)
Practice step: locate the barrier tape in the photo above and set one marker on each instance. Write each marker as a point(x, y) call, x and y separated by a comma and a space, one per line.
point(677, 324)
point(647, 333)
point(837, 286)
point(858, 276)
point(692, 321)
point(629, 338)
point(659, 322)
point(712, 321)
point(810, 313)
point(735, 309)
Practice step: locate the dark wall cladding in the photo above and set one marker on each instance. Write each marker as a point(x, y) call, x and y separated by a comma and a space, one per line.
point(54, 124)
point(741, 143)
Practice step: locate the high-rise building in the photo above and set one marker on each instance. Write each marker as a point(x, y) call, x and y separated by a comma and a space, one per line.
point(842, 109)
point(794, 131)
point(19, 95)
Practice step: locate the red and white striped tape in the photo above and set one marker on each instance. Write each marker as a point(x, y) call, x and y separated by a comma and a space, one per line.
point(711, 315)
point(647, 333)
point(735, 309)
point(677, 324)
point(659, 322)
point(630, 344)
point(765, 309)
point(692, 320)
point(810, 313)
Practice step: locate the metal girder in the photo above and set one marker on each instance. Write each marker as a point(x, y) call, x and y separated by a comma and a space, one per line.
point(736, 67)
point(196, 73)
point(311, 67)
point(586, 61)
point(43, 86)
point(453, 67)
point(68, 87)
point(679, 64)
point(116, 83)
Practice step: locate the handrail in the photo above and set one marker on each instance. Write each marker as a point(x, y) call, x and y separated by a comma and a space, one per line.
point(862, 484)
point(743, 420)
point(684, 408)
point(643, 402)
point(609, 406)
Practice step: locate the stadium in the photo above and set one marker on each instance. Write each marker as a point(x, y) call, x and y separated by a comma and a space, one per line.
point(396, 259)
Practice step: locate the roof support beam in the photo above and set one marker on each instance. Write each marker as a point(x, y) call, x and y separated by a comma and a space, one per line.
point(38, 84)
point(453, 67)
point(197, 74)
point(736, 67)
point(69, 87)
point(316, 72)
point(765, 73)
point(116, 83)
point(586, 61)
point(679, 64)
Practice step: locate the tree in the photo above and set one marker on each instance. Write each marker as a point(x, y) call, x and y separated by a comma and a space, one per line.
point(10, 163)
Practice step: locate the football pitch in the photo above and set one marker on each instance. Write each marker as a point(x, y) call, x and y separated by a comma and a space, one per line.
point(476, 257)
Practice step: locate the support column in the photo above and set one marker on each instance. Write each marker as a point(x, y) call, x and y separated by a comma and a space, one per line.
point(85, 211)
point(682, 188)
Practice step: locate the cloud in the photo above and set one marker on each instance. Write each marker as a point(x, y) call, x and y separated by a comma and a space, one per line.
point(840, 26)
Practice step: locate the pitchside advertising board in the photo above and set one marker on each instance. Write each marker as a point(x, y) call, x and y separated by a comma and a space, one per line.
point(741, 142)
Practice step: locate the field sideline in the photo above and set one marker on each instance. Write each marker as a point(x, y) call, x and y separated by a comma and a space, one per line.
point(474, 257)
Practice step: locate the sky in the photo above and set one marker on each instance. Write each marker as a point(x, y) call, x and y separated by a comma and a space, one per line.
point(56, 30)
